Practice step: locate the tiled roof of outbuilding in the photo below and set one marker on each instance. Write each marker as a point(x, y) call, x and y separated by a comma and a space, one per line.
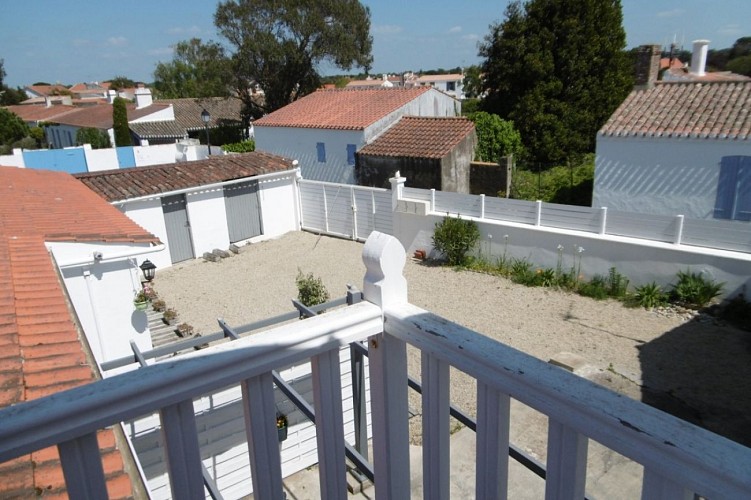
point(341, 109)
point(123, 184)
point(672, 109)
point(418, 137)
point(40, 349)
point(188, 116)
point(99, 116)
point(35, 113)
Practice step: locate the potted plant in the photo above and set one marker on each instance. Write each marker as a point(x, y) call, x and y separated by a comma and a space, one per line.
point(184, 330)
point(169, 316)
point(141, 301)
point(281, 426)
point(159, 305)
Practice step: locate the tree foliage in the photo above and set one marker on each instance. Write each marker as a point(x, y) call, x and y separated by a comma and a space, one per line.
point(120, 122)
point(197, 69)
point(99, 139)
point(12, 127)
point(557, 69)
point(279, 45)
point(121, 82)
point(472, 81)
point(9, 96)
point(495, 137)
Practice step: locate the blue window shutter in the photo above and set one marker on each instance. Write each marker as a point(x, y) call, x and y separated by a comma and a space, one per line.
point(743, 190)
point(321, 148)
point(723, 207)
point(350, 154)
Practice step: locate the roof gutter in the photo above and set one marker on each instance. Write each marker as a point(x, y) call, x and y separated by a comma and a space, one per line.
point(204, 187)
point(97, 256)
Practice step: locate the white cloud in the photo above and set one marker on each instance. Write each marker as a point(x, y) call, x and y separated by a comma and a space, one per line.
point(180, 30)
point(117, 41)
point(387, 29)
point(161, 51)
point(671, 13)
point(455, 29)
point(730, 30)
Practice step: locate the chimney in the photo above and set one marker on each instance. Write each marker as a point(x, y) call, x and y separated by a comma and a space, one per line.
point(647, 66)
point(111, 94)
point(699, 57)
point(47, 101)
point(143, 97)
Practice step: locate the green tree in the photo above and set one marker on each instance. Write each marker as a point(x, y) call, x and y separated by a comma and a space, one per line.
point(495, 137)
point(9, 96)
point(99, 139)
point(121, 82)
point(197, 70)
point(120, 122)
point(279, 45)
point(472, 81)
point(740, 65)
point(12, 130)
point(557, 69)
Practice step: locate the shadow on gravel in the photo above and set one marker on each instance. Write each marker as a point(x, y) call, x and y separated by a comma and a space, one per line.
point(701, 373)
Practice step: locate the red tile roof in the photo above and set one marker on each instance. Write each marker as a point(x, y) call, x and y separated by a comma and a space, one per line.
point(452, 77)
point(100, 115)
point(124, 184)
point(40, 349)
point(417, 137)
point(44, 90)
point(672, 109)
point(35, 113)
point(341, 109)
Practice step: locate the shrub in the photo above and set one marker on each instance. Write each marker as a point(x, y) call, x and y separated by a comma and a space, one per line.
point(521, 272)
point(310, 289)
point(240, 147)
point(650, 295)
point(694, 291)
point(617, 284)
point(454, 238)
point(597, 288)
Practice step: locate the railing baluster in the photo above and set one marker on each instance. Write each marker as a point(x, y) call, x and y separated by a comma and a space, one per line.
point(327, 398)
point(82, 467)
point(567, 463)
point(263, 441)
point(435, 427)
point(492, 437)
point(388, 389)
point(182, 451)
point(657, 486)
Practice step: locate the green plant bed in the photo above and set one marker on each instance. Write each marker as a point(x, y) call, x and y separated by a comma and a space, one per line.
point(454, 237)
point(694, 291)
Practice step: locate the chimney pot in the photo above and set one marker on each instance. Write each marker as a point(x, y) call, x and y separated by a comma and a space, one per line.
point(699, 57)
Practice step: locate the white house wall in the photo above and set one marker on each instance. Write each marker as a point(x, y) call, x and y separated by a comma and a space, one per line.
point(300, 144)
point(154, 155)
point(208, 220)
point(278, 201)
point(102, 294)
point(148, 214)
point(668, 176)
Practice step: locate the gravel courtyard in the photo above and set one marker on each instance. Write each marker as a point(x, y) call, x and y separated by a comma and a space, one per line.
point(698, 370)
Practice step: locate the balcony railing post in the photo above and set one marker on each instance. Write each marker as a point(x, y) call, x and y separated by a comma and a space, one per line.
point(659, 487)
point(435, 427)
point(327, 398)
point(385, 286)
point(567, 462)
point(263, 441)
point(492, 457)
point(182, 451)
point(357, 363)
point(82, 467)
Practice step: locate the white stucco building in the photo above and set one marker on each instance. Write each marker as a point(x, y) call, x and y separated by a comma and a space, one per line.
point(324, 129)
point(678, 149)
point(452, 84)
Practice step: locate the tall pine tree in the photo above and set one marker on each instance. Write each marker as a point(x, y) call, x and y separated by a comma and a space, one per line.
point(557, 69)
point(120, 123)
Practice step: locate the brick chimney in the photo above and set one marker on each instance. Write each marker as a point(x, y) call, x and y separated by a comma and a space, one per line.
point(647, 66)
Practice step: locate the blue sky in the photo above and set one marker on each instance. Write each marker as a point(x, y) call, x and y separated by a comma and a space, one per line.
point(76, 41)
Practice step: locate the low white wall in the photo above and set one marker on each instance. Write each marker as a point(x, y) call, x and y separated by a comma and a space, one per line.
point(279, 206)
point(100, 159)
point(155, 155)
point(640, 260)
point(14, 160)
point(208, 220)
point(102, 294)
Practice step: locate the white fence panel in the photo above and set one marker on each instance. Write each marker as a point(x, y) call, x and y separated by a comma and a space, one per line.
point(339, 210)
point(570, 217)
point(457, 203)
point(417, 194)
point(523, 212)
point(312, 206)
point(713, 233)
point(645, 226)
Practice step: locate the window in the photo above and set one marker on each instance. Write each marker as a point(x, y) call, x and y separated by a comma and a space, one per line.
point(321, 148)
point(450, 86)
point(734, 189)
point(350, 154)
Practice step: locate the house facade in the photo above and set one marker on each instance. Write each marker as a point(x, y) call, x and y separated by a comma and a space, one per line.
point(324, 130)
point(198, 206)
point(678, 149)
point(452, 84)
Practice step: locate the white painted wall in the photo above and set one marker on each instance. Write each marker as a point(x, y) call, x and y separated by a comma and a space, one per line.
point(300, 143)
point(102, 294)
point(208, 220)
point(148, 214)
point(100, 159)
point(159, 154)
point(665, 176)
point(279, 206)
point(14, 160)
point(642, 261)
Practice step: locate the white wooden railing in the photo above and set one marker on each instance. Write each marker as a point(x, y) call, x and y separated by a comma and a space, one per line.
point(678, 458)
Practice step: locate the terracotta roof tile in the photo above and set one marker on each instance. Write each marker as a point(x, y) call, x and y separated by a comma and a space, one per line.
point(341, 109)
point(417, 137)
point(36, 113)
point(100, 115)
point(123, 184)
point(673, 109)
point(41, 351)
point(188, 116)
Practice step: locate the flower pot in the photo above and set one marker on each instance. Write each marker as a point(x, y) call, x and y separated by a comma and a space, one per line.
point(141, 306)
point(282, 433)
